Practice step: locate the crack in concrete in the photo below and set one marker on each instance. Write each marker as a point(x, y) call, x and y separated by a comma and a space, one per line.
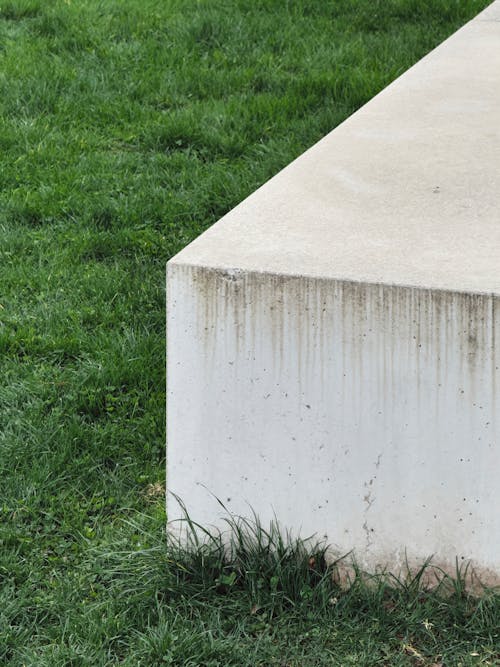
point(368, 499)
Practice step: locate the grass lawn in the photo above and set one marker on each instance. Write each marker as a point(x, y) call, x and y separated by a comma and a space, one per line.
point(127, 128)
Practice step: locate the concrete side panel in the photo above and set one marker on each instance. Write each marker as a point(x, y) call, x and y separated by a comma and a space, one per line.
point(366, 414)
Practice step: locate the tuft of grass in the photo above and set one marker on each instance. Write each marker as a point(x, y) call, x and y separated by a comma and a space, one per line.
point(127, 127)
point(273, 570)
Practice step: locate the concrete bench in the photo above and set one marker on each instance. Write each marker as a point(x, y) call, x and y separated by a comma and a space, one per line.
point(334, 341)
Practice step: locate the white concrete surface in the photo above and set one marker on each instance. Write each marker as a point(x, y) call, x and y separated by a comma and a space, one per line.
point(333, 342)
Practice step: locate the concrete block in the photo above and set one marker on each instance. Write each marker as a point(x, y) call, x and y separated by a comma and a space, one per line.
point(333, 342)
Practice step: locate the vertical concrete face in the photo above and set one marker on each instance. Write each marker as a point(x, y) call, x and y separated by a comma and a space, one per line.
point(332, 343)
point(366, 414)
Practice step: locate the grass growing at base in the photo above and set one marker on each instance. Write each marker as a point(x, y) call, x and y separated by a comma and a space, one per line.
point(257, 600)
point(127, 127)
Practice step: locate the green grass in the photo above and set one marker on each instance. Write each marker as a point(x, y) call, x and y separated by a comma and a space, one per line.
point(127, 127)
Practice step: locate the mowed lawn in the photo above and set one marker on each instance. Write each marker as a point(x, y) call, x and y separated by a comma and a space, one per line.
point(127, 127)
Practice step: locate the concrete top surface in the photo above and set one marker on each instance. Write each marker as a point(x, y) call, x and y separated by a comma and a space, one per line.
point(406, 191)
